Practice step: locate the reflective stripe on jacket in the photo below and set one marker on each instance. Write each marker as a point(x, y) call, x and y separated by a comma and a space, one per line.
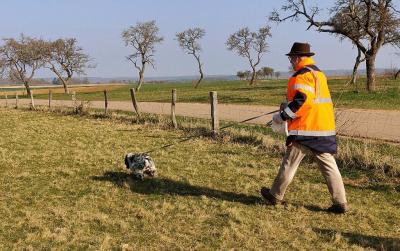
point(314, 116)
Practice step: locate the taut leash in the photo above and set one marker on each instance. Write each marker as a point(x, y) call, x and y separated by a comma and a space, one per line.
point(222, 128)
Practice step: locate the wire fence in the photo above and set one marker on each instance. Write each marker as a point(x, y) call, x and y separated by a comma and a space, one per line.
point(374, 124)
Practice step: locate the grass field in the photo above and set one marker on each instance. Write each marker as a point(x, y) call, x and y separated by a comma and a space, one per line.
point(268, 92)
point(64, 186)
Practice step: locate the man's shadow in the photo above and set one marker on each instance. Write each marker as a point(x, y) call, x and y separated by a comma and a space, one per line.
point(366, 241)
point(164, 186)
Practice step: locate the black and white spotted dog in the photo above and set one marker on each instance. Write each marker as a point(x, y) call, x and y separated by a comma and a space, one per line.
point(140, 164)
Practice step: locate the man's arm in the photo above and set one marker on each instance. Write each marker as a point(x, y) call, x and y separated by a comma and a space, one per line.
point(290, 111)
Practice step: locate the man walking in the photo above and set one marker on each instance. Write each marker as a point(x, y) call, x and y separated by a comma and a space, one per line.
point(311, 129)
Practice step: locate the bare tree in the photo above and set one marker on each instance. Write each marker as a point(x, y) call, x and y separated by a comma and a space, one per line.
point(189, 42)
point(397, 74)
point(247, 75)
point(277, 74)
point(251, 45)
point(342, 22)
point(2, 66)
point(368, 24)
point(142, 38)
point(240, 75)
point(268, 71)
point(22, 58)
point(260, 74)
point(65, 58)
point(390, 72)
point(398, 71)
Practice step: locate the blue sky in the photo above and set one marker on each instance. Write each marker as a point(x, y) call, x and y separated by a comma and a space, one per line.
point(97, 25)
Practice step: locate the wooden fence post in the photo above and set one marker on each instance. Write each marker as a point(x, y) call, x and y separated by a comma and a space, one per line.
point(105, 102)
point(6, 101)
point(73, 97)
point(134, 101)
point(16, 100)
point(50, 98)
point(32, 101)
point(173, 103)
point(214, 112)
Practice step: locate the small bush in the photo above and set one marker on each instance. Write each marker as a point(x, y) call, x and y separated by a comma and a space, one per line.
point(83, 108)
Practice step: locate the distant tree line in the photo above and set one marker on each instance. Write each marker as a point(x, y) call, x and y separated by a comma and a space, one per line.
point(82, 81)
point(263, 73)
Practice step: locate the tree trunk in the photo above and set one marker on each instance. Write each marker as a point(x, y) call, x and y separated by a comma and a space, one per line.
point(28, 89)
point(353, 80)
point(397, 74)
point(66, 91)
point(370, 65)
point(354, 75)
point(253, 76)
point(63, 81)
point(201, 75)
point(141, 78)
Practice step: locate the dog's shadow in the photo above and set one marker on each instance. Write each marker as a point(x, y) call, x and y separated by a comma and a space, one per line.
point(165, 186)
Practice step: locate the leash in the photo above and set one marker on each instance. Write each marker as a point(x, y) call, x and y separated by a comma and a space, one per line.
point(222, 128)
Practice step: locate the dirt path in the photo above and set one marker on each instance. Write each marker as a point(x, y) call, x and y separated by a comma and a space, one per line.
point(375, 124)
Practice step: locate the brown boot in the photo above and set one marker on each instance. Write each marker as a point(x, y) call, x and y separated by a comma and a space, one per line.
point(269, 197)
point(338, 209)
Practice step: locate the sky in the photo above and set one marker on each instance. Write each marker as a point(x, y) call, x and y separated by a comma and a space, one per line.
point(98, 24)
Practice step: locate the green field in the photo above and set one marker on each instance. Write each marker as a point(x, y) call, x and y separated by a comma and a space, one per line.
point(64, 186)
point(268, 92)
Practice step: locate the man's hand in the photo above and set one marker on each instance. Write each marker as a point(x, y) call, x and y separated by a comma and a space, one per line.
point(277, 118)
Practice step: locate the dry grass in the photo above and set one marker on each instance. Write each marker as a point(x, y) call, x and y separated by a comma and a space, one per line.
point(64, 187)
point(379, 158)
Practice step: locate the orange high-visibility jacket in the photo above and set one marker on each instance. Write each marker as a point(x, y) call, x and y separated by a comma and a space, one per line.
point(315, 116)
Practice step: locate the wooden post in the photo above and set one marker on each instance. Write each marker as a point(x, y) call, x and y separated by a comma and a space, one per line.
point(6, 101)
point(173, 103)
point(16, 100)
point(73, 97)
point(32, 101)
point(105, 102)
point(134, 102)
point(214, 112)
point(50, 98)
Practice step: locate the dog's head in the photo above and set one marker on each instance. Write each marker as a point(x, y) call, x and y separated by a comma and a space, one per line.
point(127, 161)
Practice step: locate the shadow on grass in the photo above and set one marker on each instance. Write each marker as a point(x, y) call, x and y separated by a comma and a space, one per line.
point(263, 87)
point(366, 241)
point(164, 186)
point(232, 99)
point(354, 164)
point(377, 187)
point(315, 208)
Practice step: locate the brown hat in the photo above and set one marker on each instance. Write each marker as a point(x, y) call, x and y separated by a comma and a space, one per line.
point(300, 49)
